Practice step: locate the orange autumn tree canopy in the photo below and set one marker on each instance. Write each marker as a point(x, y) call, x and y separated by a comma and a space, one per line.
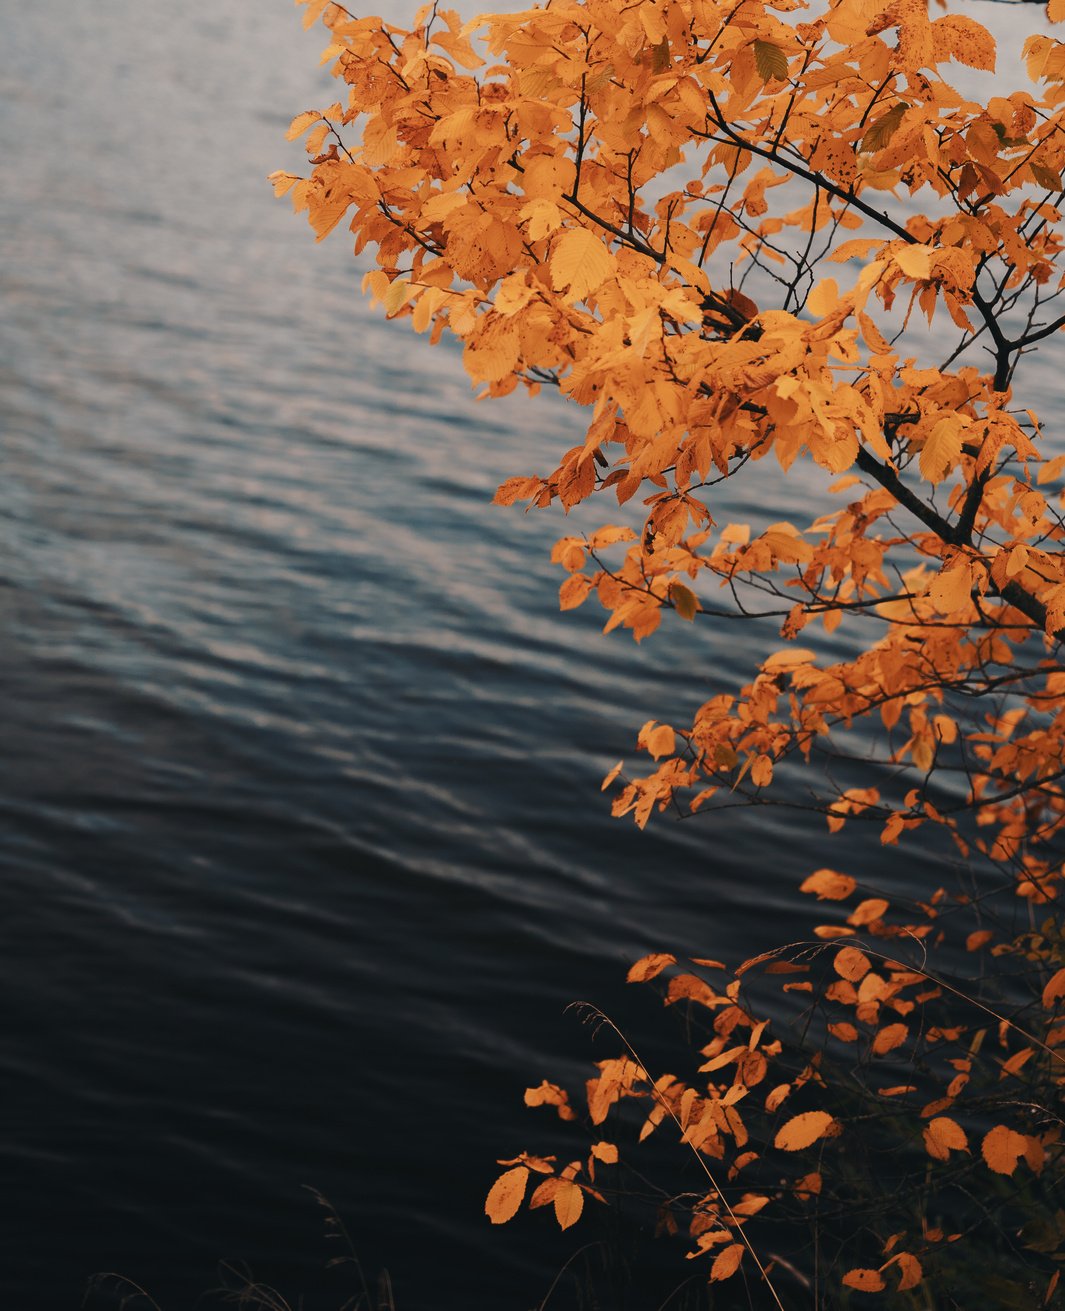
point(586, 194)
point(761, 240)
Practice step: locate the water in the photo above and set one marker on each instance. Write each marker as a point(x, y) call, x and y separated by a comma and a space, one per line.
point(304, 850)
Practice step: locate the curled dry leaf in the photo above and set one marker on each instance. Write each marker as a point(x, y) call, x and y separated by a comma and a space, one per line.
point(550, 1094)
point(650, 967)
point(909, 1270)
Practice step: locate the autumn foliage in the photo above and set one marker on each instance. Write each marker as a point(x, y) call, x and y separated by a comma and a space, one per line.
point(749, 239)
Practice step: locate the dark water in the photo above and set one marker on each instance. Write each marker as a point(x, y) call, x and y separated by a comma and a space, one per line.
point(303, 847)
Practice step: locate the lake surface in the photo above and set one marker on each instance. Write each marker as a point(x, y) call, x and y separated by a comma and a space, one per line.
point(304, 852)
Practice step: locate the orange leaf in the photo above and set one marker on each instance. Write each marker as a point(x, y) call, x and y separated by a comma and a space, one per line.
point(942, 1136)
point(910, 1272)
point(727, 1262)
point(580, 263)
point(550, 1094)
point(851, 964)
point(890, 1037)
point(574, 591)
point(1002, 1148)
point(1055, 990)
point(868, 912)
point(802, 1130)
point(650, 967)
point(569, 1203)
point(828, 885)
point(865, 1281)
point(506, 1195)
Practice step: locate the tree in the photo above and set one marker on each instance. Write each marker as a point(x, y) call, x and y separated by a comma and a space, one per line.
point(750, 235)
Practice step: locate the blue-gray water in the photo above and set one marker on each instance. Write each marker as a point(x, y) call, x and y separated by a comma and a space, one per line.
point(303, 846)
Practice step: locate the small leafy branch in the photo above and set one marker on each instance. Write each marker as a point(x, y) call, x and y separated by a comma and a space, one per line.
point(898, 1122)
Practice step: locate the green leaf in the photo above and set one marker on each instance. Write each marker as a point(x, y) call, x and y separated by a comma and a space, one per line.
point(770, 61)
point(884, 128)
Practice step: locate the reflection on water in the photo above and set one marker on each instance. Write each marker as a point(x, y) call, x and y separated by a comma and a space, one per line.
point(304, 850)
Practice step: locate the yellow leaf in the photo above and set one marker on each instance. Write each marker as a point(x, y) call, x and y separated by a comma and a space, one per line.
point(506, 1195)
point(282, 182)
point(952, 588)
point(943, 1135)
point(605, 1152)
point(942, 448)
point(661, 741)
point(569, 1203)
point(802, 1130)
point(543, 217)
point(824, 298)
point(915, 261)
point(314, 11)
point(580, 263)
point(727, 1262)
point(301, 123)
point(1056, 11)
